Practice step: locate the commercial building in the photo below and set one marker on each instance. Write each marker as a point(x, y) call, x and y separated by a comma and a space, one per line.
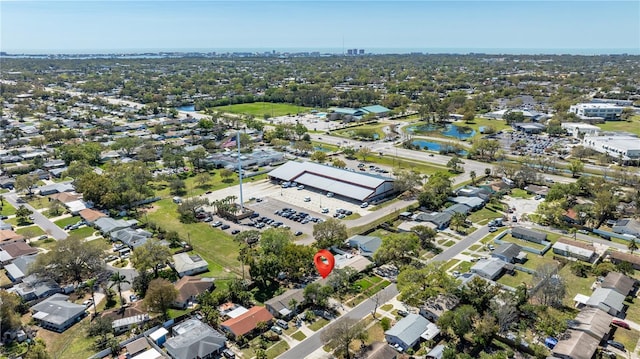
point(576, 129)
point(229, 159)
point(618, 146)
point(604, 111)
point(361, 187)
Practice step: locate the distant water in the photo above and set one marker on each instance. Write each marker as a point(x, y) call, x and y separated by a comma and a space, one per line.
point(189, 108)
point(448, 130)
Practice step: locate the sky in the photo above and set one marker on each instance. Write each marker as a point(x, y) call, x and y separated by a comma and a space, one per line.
point(130, 26)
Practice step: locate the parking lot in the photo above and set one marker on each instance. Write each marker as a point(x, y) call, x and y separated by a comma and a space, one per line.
point(522, 206)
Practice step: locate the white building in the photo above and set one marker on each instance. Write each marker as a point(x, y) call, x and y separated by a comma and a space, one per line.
point(625, 146)
point(575, 129)
point(601, 110)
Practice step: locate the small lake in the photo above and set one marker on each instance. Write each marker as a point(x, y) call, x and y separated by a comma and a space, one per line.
point(434, 146)
point(189, 108)
point(449, 130)
point(321, 149)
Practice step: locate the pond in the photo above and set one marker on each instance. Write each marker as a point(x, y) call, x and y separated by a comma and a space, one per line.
point(435, 146)
point(188, 108)
point(321, 149)
point(449, 130)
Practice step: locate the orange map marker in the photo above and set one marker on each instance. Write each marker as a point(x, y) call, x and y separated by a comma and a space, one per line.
point(324, 262)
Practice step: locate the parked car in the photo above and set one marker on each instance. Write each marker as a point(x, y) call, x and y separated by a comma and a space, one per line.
point(364, 205)
point(276, 329)
point(325, 210)
point(216, 224)
point(492, 229)
point(225, 226)
point(300, 187)
point(620, 323)
point(616, 344)
point(235, 231)
point(298, 233)
point(282, 324)
point(307, 199)
point(329, 194)
point(403, 313)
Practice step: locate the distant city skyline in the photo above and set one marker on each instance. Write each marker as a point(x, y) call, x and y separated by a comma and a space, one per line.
point(527, 27)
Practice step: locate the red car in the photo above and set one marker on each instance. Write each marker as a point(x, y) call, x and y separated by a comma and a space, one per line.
point(620, 323)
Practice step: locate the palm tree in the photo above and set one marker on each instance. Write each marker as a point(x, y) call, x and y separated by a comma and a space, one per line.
point(633, 246)
point(117, 280)
point(472, 174)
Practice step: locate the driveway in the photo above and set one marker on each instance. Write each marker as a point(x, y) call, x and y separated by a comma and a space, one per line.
point(40, 220)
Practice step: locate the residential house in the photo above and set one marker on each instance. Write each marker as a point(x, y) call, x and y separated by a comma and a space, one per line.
point(367, 245)
point(7, 182)
point(507, 252)
point(123, 325)
point(440, 219)
point(247, 322)
point(434, 308)
point(609, 300)
point(231, 310)
point(620, 283)
point(150, 353)
point(33, 288)
point(575, 249)
point(65, 197)
point(437, 352)
point(56, 313)
point(74, 207)
point(618, 257)
point(576, 345)
point(286, 304)
point(106, 225)
point(5, 226)
point(380, 350)
point(13, 249)
point(474, 203)
point(189, 288)
point(627, 226)
point(406, 333)
point(592, 321)
point(55, 188)
point(189, 264)
point(137, 346)
point(458, 208)
point(489, 268)
point(19, 267)
point(133, 238)
point(91, 215)
point(537, 190)
point(10, 235)
point(193, 339)
point(528, 234)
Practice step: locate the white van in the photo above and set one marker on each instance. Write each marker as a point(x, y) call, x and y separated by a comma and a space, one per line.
point(307, 199)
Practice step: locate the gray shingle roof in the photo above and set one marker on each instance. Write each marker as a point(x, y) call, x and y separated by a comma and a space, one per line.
point(618, 281)
point(508, 250)
point(57, 310)
point(607, 296)
point(194, 340)
point(521, 232)
point(409, 328)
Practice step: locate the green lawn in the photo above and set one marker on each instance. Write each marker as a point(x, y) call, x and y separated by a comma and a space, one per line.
point(82, 232)
point(325, 147)
point(319, 323)
point(215, 246)
point(38, 202)
point(258, 109)
point(66, 221)
point(575, 284)
point(30, 231)
point(44, 243)
point(449, 243)
point(298, 336)
point(483, 216)
point(633, 125)
point(475, 247)
point(521, 242)
point(406, 164)
point(386, 307)
point(352, 132)
point(627, 337)
point(515, 280)
point(464, 267)
point(498, 125)
point(174, 313)
point(72, 343)
point(277, 349)
point(7, 209)
point(534, 260)
point(450, 264)
point(520, 193)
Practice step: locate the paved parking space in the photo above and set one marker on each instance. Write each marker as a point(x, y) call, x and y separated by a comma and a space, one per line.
point(522, 205)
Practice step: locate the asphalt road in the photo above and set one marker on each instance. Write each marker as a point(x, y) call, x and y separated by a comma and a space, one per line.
point(41, 221)
point(312, 343)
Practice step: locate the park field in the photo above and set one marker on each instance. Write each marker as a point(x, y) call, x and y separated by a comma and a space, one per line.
point(633, 125)
point(259, 109)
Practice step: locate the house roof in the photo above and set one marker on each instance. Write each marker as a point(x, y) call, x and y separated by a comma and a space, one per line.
point(56, 187)
point(578, 345)
point(520, 232)
point(574, 247)
point(150, 353)
point(7, 235)
point(189, 286)
point(437, 218)
point(137, 346)
point(281, 302)
point(490, 267)
point(458, 208)
point(509, 250)
point(195, 339)
point(625, 257)
point(184, 262)
point(440, 304)
point(131, 237)
point(357, 262)
point(65, 197)
point(247, 322)
point(627, 225)
point(469, 201)
point(32, 285)
point(135, 319)
point(365, 243)
point(19, 268)
point(592, 320)
point(609, 297)
point(618, 281)
point(90, 215)
point(409, 328)
point(108, 224)
point(56, 309)
point(17, 248)
point(437, 352)
point(375, 109)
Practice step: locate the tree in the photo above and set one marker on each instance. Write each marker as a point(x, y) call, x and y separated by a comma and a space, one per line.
point(249, 237)
point(26, 183)
point(472, 174)
point(22, 214)
point(188, 209)
point(436, 191)
point(417, 285)
point(633, 245)
point(458, 220)
point(425, 234)
point(342, 334)
point(55, 207)
point(160, 295)
point(319, 156)
point(336, 162)
point(117, 280)
point(127, 144)
point(364, 152)
point(505, 310)
point(226, 175)
point(576, 166)
point(397, 248)
point(151, 255)
point(178, 187)
point(9, 311)
point(484, 328)
point(340, 279)
point(458, 321)
point(203, 179)
point(196, 157)
point(331, 232)
point(100, 327)
point(69, 261)
point(407, 181)
point(627, 113)
point(552, 286)
point(453, 164)
point(580, 269)
point(317, 295)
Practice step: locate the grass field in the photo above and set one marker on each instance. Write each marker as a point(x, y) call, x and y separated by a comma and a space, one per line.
point(483, 216)
point(521, 242)
point(520, 193)
point(72, 343)
point(405, 164)
point(30, 231)
point(298, 336)
point(258, 109)
point(277, 349)
point(627, 337)
point(215, 246)
point(315, 326)
point(633, 125)
point(352, 132)
point(515, 280)
point(82, 233)
point(7, 209)
point(499, 125)
point(66, 221)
